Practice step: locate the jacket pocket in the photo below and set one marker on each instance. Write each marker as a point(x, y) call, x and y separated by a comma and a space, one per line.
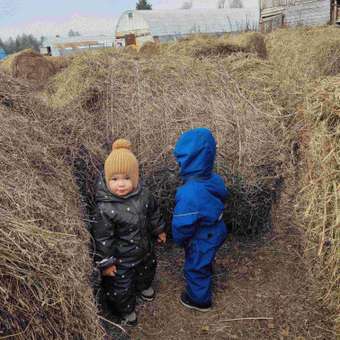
point(211, 238)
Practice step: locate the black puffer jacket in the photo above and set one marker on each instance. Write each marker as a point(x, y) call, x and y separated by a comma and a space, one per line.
point(125, 227)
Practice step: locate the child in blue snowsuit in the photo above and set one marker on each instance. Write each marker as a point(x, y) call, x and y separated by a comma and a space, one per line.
point(197, 223)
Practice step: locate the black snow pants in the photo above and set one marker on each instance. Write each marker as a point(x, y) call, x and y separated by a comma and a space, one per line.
point(120, 291)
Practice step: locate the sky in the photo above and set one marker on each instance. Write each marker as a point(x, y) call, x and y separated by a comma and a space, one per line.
point(51, 17)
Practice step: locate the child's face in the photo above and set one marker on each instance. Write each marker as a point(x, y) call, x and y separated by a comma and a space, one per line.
point(120, 185)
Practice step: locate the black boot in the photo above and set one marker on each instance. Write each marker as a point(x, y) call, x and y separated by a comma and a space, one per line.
point(187, 302)
point(129, 319)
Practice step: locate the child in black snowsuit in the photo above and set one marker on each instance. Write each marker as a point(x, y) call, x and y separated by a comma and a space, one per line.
point(127, 223)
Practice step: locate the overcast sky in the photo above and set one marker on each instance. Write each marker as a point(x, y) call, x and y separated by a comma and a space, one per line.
point(51, 17)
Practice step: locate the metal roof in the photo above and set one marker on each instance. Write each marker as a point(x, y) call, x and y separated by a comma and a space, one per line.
point(81, 40)
point(179, 22)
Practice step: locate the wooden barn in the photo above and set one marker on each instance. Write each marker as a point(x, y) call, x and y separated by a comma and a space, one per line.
point(278, 13)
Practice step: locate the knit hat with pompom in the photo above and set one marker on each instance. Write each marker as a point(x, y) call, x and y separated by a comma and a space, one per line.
point(121, 161)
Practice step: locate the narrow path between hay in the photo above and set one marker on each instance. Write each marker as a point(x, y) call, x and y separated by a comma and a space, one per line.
point(266, 278)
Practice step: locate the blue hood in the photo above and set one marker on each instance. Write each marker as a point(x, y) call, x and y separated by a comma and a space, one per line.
point(195, 153)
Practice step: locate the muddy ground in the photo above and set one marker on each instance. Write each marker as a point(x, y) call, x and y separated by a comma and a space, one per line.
point(262, 287)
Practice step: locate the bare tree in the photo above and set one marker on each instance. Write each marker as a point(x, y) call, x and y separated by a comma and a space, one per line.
point(143, 5)
point(21, 42)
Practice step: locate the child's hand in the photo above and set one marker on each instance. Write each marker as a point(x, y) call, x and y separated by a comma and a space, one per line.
point(110, 271)
point(161, 238)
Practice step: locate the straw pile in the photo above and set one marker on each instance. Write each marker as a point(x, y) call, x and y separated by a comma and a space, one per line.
point(132, 49)
point(302, 55)
point(150, 101)
point(149, 48)
point(44, 264)
point(60, 62)
point(320, 199)
point(147, 101)
point(12, 91)
point(309, 100)
point(201, 46)
point(29, 65)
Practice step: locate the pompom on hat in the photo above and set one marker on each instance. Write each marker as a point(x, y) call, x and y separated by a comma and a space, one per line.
point(121, 161)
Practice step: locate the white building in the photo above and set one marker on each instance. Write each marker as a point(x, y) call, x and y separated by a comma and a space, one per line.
point(217, 17)
point(165, 25)
point(62, 46)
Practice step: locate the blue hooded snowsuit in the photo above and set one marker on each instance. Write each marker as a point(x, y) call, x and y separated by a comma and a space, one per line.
point(197, 222)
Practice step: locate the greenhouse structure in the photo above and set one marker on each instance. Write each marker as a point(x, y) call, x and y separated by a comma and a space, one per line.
point(165, 25)
point(135, 27)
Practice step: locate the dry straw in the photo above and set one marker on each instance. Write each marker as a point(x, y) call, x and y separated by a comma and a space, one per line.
point(31, 66)
point(152, 100)
point(300, 56)
point(59, 62)
point(99, 97)
point(206, 46)
point(149, 99)
point(44, 264)
point(319, 198)
point(249, 103)
point(304, 59)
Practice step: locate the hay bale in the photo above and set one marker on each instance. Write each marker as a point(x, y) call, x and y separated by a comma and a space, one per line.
point(316, 51)
point(29, 65)
point(8, 62)
point(44, 264)
point(32, 66)
point(81, 77)
point(318, 203)
point(301, 56)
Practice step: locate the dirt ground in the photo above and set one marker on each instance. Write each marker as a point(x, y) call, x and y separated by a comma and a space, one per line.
point(262, 290)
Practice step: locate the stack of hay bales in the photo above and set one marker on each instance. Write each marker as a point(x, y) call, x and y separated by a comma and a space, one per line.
point(44, 260)
point(29, 65)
